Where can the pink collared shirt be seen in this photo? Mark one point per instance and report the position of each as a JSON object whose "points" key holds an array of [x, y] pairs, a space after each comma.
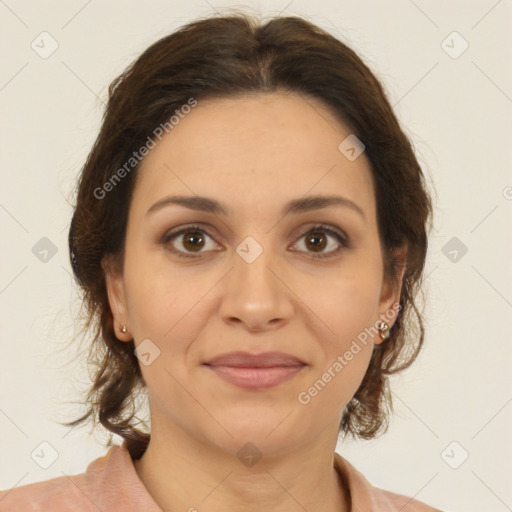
{"points": [[111, 483]]}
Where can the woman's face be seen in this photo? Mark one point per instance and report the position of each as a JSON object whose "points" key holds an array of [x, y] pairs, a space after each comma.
{"points": [[246, 276]]}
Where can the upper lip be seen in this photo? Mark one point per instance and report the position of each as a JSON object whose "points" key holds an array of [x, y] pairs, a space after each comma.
{"points": [[248, 360]]}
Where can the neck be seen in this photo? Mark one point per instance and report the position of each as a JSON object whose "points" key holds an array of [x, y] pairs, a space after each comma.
{"points": [[184, 473]]}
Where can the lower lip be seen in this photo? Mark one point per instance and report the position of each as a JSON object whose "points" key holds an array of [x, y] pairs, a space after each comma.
{"points": [[256, 378]]}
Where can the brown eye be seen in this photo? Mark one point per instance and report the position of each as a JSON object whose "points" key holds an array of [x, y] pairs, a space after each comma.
{"points": [[318, 239], [193, 240], [189, 242]]}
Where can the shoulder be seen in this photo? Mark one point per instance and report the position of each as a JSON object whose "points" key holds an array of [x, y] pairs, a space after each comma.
{"points": [[58, 493], [398, 502], [109, 483], [372, 499], [80, 493]]}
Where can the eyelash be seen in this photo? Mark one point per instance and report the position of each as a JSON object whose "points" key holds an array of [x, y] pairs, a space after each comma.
{"points": [[343, 240]]}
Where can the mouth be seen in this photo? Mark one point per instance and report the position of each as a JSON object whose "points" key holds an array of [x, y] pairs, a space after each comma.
{"points": [[255, 371], [256, 378]]}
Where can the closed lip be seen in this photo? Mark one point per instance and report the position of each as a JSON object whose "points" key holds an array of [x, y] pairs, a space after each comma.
{"points": [[247, 360]]}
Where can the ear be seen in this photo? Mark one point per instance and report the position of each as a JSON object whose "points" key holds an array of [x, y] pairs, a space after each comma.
{"points": [[116, 292], [390, 290]]}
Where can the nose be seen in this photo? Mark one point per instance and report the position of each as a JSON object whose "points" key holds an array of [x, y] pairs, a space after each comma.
{"points": [[255, 295]]}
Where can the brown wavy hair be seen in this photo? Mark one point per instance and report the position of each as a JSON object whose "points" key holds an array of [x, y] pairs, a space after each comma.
{"points": [[226, 56]]}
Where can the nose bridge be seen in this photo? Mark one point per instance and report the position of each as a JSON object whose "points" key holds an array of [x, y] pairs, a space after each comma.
{"points": [[251, 265], [253, 293]]}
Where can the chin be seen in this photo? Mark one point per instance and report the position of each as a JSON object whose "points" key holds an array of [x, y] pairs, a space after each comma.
{"points": [[270, 435]]}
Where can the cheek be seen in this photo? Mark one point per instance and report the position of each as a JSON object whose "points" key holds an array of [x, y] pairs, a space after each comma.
{"points": [[158, 294], [345, 356], [349, 304], [153, 306], [350, 308], [168, 306]]}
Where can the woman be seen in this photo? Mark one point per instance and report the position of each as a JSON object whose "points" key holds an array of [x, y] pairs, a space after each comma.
{"points": [[249, 234]]}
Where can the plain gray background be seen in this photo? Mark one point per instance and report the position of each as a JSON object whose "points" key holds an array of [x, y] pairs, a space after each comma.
{"points": [[454, 102]]}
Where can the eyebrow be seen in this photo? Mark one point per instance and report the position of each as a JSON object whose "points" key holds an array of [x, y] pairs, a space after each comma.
{"points": [[295, 206]]}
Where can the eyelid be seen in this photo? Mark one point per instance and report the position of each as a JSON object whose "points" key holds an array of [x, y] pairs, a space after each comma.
{"points": [[343, 239]]}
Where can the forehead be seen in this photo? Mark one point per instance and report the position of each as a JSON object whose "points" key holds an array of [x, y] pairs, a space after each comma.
{"points": [[270, 147]]}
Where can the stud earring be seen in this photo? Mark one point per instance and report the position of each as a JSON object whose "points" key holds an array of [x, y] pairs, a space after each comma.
{"points": [[123, 329], [384, 330]]}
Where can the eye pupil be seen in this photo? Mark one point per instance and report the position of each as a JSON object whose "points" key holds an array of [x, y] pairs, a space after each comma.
{"points": [[317, 245], [193, 237]]}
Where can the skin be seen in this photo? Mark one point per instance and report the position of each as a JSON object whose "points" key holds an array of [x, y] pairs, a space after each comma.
{"points": [[253, 154]]}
